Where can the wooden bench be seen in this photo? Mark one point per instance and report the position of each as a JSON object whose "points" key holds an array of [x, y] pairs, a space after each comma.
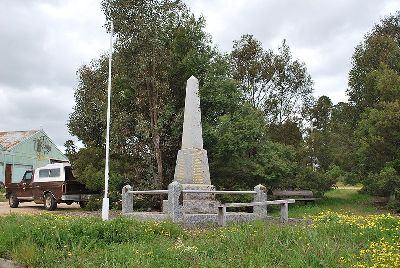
{"points": [[283, 216], [301, 195]]}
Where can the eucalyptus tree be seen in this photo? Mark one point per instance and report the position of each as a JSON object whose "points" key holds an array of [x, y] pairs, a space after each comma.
{"points": [[378, 54], [275, 83], [159, 44], [374, 92]]}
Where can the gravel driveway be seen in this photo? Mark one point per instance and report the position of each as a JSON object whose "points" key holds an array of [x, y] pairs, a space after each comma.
{"points": [[64, 209], [32, 208]]}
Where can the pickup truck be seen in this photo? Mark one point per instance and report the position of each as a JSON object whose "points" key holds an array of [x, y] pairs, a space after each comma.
{"points": [[48, 185]]}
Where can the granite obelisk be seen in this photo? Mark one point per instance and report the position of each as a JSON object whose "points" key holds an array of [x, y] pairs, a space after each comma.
{"points": [[192, 161], [192, 169]]}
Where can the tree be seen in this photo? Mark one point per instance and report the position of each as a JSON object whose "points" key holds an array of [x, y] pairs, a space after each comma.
{"points": [[154, 37], [374, 94], [70, 150], [288, 133], [379, 50], [159, 44], [378, 134], [321, 113], [273, 82], [241, 154], [343, 144], [318, 139]]}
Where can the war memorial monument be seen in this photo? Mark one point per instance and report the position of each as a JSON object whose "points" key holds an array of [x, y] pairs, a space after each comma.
{"points": [[191, 196]]}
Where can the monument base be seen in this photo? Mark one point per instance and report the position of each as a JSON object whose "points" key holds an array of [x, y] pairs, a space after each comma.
{"points": [[197, 203], [192, 167]]}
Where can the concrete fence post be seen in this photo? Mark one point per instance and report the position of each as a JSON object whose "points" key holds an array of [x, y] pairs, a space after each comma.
{"points": [[174, 201], [261, 196], [127, 200], [284, 213]]}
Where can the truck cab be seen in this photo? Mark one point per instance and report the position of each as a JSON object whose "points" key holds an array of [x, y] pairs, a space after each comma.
{"points": [[48, 185]]}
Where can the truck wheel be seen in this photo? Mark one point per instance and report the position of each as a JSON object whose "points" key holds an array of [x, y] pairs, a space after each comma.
{"points": [[82, 204], [49, 202], [13, 200]]}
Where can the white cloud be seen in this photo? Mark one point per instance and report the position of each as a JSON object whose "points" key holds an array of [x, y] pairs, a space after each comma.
{"points": [[323, 34], [44, 42]]}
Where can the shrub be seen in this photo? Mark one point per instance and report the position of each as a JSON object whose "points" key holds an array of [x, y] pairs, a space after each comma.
{"points": [[94, 203], [316, 181], [384, 183]]}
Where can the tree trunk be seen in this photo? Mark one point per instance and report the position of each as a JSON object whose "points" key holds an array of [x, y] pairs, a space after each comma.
{"points": [[154, 110], [156, 143]]}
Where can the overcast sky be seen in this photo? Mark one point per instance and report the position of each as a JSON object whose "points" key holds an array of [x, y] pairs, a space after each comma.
{"points": [[44, 42]]}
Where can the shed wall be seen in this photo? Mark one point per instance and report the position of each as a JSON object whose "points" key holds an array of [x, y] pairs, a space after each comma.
{"points": [[1, 171], [36, 151]]}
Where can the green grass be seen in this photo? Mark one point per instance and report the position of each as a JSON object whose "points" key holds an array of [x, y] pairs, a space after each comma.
{"points": [[337, 200], [2, 196], [334, 240]]}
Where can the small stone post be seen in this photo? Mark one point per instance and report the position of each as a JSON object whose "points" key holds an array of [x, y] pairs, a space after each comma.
{"points": [[222, 216], [127, 200], [284, 213], [260, 210], [174, 201]]}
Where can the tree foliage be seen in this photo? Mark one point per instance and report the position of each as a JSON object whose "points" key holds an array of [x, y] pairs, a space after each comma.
{"points": [[379, 136], [374, 92], [273, 82], [379, 51], [159, 44], [253, 101]]}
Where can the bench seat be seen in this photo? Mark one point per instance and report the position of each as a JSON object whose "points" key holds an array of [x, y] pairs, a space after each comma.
{"points": [[301, 195], [284, 209]]}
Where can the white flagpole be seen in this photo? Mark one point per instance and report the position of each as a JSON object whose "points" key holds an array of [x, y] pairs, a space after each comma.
{"points": [[106, 201]]}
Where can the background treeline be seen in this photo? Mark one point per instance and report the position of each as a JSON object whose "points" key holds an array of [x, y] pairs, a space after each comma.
{"points": [[261, 123]]}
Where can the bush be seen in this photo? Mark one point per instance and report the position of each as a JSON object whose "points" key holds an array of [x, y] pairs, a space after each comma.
{"points": [[2, 192], [95, 203], [316, 181], [384, 183], [394, 205], [335, 173]]}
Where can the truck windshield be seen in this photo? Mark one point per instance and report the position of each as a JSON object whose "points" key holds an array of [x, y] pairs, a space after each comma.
{"points": [[27, 176], [69, 176]]}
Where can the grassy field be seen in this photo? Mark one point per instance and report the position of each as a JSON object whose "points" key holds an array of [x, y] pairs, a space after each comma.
{"points": [[338, 200], [347, 231]]}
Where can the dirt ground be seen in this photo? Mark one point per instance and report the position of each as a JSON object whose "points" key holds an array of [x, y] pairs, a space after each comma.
{"points": [[32, 208], [63, 209]]}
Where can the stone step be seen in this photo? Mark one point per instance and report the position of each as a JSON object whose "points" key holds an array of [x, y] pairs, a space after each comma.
{"points": [[196, 206], [207, 219], [148, 216]]}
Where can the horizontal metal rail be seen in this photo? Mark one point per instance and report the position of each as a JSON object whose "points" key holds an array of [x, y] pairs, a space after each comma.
{"points": [[148, 192], [216, 192]]}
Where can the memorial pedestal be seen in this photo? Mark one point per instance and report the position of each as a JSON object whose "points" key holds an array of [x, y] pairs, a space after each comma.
{"points": [[197, 203]]}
